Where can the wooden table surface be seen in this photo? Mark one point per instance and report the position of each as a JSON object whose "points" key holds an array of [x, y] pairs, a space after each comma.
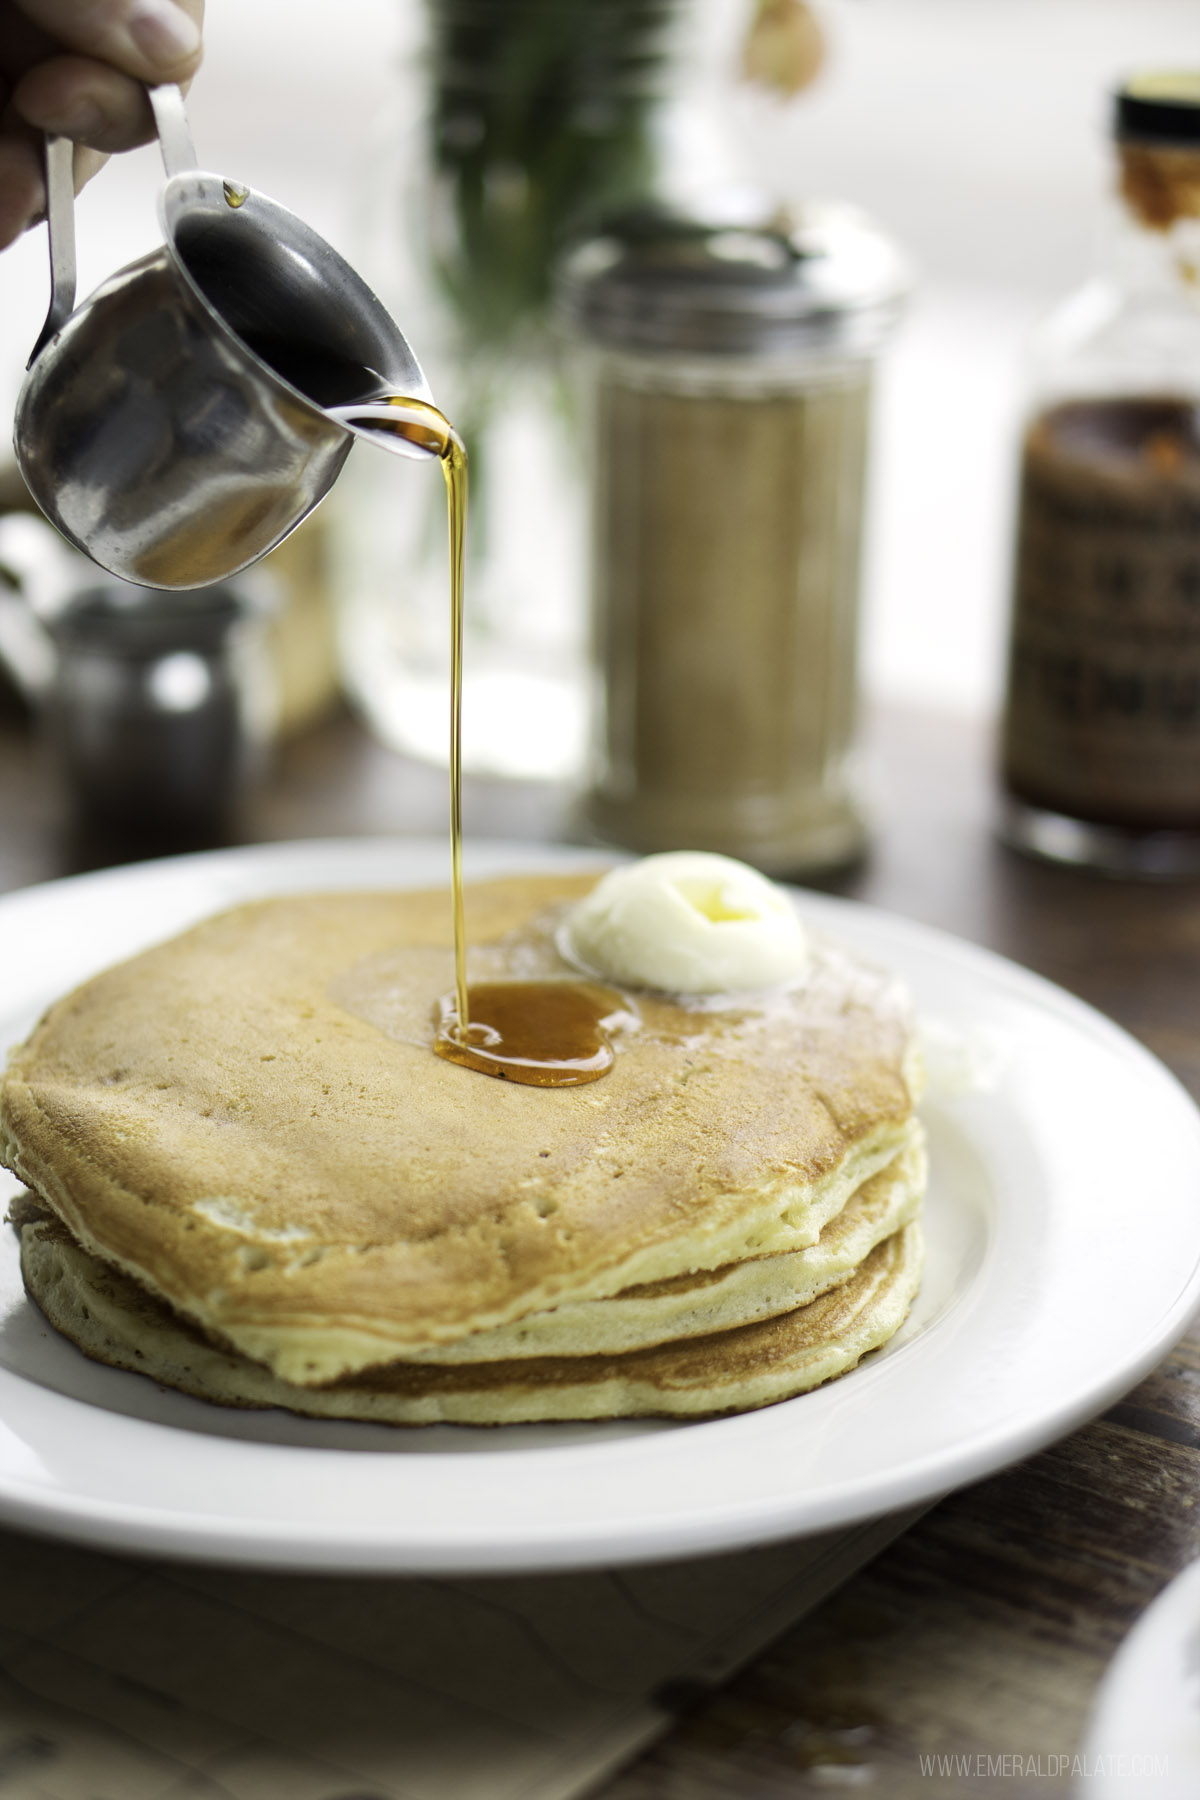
{"points": [[984, 1630]]}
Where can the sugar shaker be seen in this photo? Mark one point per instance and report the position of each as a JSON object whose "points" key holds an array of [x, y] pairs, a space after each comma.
{"points": [[726, 379]]}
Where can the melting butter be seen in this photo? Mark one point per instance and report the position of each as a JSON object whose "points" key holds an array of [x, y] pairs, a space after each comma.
{"points": [[688, 922]]}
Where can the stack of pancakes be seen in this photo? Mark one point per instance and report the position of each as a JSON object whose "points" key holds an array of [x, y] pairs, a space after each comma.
{"points": [[252, 1180]]}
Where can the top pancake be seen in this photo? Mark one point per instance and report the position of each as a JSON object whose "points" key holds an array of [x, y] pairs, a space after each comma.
{"points": [[249, 1120]]}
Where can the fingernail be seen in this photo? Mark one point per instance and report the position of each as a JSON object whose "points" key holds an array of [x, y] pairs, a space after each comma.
{"points": [[162, 32]]}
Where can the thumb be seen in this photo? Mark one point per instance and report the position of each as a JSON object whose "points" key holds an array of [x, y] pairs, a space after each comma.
{"points": [[150, 40]]}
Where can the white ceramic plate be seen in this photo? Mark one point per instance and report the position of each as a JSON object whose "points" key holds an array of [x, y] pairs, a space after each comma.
{"points": [[1144, 1739], [1063, 1224]]}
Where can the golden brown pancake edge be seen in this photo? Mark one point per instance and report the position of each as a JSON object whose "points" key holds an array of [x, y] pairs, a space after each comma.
{"points": [[114, 1322]]}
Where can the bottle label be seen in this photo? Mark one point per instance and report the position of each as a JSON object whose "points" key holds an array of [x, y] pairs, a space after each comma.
{"points": [[1103, 714]]}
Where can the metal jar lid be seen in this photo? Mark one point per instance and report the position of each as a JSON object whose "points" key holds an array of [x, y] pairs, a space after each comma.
{"points": [[826, 281]]}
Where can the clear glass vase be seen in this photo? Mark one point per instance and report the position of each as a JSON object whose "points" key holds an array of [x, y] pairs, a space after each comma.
{"points": [[523, 123]]}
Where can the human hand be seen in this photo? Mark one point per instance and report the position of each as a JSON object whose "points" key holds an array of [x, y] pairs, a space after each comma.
{"points": [[79, 69]]}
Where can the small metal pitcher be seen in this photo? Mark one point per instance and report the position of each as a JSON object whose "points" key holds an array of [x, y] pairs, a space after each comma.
{"points": [[174, 427]]}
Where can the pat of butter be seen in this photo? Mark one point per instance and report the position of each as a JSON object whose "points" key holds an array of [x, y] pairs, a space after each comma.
{"points": [[689, 923]]}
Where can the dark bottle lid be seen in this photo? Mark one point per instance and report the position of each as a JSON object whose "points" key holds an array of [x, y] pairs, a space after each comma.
{"points": [[1159, 107]]}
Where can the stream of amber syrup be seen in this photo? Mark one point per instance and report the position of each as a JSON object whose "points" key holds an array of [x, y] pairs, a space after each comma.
{"points": [[540, 1033]]}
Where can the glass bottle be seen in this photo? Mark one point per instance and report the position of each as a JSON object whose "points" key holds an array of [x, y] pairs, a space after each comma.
{"points": [[531, 120], [727, 375], [1101, 729]]}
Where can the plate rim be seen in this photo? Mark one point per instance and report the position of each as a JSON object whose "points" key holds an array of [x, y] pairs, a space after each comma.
{"points": [[1140, 1704], [338, 1545]]}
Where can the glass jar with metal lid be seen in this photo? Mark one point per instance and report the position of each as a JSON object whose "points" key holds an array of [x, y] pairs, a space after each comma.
{"points": [[727, 376]]}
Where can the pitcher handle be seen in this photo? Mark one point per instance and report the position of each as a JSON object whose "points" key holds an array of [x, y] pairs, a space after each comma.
{"points": [[174, 132], [178, 154], [60, 227]]}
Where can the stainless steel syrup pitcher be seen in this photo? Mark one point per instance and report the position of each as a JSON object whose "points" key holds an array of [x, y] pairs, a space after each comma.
{"points": [[174, 426]]}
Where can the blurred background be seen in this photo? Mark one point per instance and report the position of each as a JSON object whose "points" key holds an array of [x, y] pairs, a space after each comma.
{"points": [[974, 131]]}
